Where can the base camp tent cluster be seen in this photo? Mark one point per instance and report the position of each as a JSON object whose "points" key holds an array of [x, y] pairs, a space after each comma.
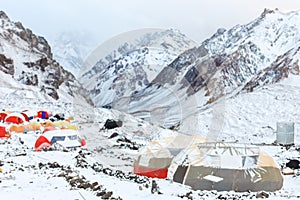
{"points": [[54, 129], [23, 116], [203, 165]]}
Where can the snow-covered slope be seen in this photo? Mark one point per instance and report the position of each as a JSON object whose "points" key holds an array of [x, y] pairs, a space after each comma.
{"points": [[104, 166], [129, 62], [26, 63], [71, 48], [250, 117]]}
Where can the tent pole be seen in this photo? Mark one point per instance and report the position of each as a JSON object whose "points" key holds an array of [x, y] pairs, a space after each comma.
{"points": [[186, 173]]}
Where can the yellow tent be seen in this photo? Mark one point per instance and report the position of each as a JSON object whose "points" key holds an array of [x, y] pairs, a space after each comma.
{"points": [[64, 124]]}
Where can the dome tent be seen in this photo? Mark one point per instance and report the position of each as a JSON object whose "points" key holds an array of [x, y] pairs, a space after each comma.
{"points": [[28, 115], [15, 118], [64, 124], [225, 167], [66, 138], [25, 128], [3, 115], [211, 166], [43, 114], [111, 124], [3, 132], [155, 159]]}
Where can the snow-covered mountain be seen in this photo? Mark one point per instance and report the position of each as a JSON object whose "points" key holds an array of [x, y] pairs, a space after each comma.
{"points": [[236, 85], [129, 62], [26, 63], [71, 48], [241, 59]]}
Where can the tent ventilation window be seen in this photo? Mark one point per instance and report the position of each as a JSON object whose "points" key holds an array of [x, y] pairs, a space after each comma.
{"points": [[57, 138]]}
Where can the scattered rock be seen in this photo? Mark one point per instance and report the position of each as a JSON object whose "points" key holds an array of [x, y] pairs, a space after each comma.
{"points": [[262, 195], [126, 143], [21, 154], [54, 165], [100, 193], [62, 174], [293, 164], [85, 185], [41, 165], [94, 184], [80, 162], [107, 195], [96, 188], [187, 195], [21, 169]]}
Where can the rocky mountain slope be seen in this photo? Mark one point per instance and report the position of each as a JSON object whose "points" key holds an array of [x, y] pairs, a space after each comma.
{"points": [[163, 77], [129, 62], [264, 51], [26, 63]]}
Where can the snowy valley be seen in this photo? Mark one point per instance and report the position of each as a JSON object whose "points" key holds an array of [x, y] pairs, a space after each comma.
{"points": [[234, 87]]}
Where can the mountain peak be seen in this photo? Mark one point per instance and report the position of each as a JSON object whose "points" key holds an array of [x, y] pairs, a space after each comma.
{"points": [[131, 63], [267, 11], [3, 15]]}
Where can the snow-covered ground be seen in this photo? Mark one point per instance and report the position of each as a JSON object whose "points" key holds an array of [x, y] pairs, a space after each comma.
{"points": [[105, 165]]}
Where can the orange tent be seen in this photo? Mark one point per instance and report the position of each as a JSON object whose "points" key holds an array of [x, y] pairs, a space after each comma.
{"points": [[33, 126], [47, 123], [25, 128], [16, 129]]}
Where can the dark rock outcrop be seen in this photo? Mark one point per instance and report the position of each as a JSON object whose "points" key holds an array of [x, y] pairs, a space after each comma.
{"points": [[6, 64]]}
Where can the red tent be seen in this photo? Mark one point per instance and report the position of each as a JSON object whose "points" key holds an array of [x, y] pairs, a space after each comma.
{"points": [[3, 133], [3, 114], [43, 114], [25, 117], [29, 115], [42, 142], [66, 138], [15, 118]]}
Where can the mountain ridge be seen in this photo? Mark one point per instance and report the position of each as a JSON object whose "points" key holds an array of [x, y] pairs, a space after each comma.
{"points": [[133, 65], [27, 59], [230, 62]]}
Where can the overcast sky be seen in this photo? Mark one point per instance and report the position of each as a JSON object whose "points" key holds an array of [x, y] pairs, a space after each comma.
{"points": [[198, 19]]}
